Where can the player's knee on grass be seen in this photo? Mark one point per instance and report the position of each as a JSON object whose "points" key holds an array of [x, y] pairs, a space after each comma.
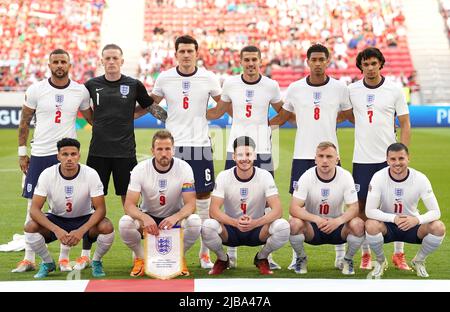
{"points": [[105, 226], [127, 225], [31, 227], [296, 225], [372, 227], [356, 226], [280, 230], [437, 228], [192, 227], [210, 228]]}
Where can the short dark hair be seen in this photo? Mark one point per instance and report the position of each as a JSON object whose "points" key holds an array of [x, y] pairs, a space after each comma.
{"points": [[59, 51], [186, 39], [397, 147], [162, 135], [68, 142], [250, 48], [112, 46], [366, 54], [325, 145], [317, 48], [243, 141]]}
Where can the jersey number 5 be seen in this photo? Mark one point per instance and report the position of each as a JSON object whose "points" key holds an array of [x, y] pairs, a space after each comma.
{"points": [[185, 102], [58, 116], [248, 109]]}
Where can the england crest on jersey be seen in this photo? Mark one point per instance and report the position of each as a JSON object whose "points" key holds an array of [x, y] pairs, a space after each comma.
{"points": [[370, 99], [249, 94], [68, 189], [317, 96], [244, 192], [162, 184], [325, 192], [398, 192], [163, 244], [186, 85], [59, 99], [124, 90]]}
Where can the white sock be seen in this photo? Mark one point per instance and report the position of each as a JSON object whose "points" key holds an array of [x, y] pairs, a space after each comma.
{"points": [[232, 252], [104, 243], [297, 245], [354, 243], [128, 229], [429, 244], [203, 213], [192, 226], [64, 251], [340, 251], [86, 253], [37, 243], [30, 255], [211, 230], [365, 248], [376, 243], [279, 235], [398, 247]]}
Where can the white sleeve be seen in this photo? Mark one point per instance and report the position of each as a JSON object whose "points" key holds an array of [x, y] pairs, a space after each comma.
{"points": [[95, 184], [225, 96], [85, 102], [350, 194], [288, 105], [373, 202], [430, 202], [276, 93], [158, 88], [401, 107], [345, 100], [219, 186], [135, 180], [41, 188], [301, 190], [31, 98], [269, 184], [215, 88]]}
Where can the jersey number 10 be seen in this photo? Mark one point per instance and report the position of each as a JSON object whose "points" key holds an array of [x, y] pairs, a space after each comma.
{"points": [[324, 209]]}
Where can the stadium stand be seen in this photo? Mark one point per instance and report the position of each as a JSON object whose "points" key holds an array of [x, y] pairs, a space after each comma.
{"points": [[30, 29], [283, 29]]}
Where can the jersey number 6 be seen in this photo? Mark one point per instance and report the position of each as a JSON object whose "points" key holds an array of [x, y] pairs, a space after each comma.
{"points": [[185, 102]]}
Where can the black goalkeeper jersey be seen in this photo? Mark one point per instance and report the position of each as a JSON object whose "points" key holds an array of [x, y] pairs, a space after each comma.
{"points": [[113, 104]]}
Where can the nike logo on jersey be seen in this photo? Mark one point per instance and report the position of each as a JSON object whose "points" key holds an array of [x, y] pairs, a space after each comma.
{"points": [[208, 184], [99, 89]]}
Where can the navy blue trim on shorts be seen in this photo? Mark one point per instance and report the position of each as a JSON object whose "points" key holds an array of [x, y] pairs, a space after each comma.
{"points": [[394, 234], [35, 168], [263, 161], [320, 238], [238, 238], [68, 225], [201, 161], [362, 174]]}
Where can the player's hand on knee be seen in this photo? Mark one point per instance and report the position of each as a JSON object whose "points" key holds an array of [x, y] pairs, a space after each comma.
{"points": [[24, 161], [168, 223]]}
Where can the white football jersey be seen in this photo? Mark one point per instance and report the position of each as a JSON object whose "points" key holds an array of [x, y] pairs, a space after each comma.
{"points": [[399, 197], [375, 110], [69, 198], [326, 198], [56, 112], [162, 191], [250, 103], [187, 99], [316, 109], [244, 195]]}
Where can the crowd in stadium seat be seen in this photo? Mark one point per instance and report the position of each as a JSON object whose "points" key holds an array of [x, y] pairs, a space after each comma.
{"points": [[31, 29], [444, 6], [283, 29]]}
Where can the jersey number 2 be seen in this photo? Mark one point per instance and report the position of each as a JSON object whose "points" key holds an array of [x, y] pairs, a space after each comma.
{"points": [[58, 116]]}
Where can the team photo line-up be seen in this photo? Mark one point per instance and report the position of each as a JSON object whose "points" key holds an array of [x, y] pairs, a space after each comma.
{"points": [[177, 185]]}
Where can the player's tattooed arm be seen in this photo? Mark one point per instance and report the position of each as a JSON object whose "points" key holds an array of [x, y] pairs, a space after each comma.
{"points": [[158, 112], [24, 125], [24, 129]]}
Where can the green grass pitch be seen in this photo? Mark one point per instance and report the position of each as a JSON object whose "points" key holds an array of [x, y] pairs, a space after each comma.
{"points": [[429, 150]]}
